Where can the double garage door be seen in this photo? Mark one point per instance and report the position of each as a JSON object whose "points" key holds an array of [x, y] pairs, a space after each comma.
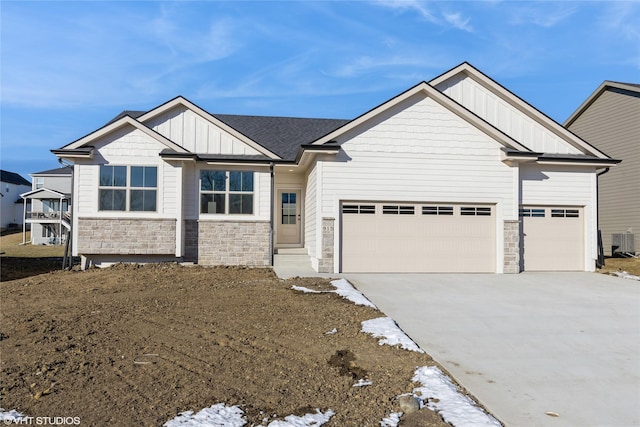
{"points": [[420, 238]]}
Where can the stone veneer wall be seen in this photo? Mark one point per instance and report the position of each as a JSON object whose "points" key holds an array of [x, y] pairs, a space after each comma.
{"points": [[228, 242], [325, 262], [126, 236], [512, 247]]}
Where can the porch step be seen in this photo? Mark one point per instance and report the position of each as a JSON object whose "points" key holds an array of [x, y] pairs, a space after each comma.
{"points": [[291, 251]]}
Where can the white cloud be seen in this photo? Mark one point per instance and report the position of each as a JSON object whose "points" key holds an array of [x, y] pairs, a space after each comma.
{"points": [[458, 21], [411, 5], [544, 14]]}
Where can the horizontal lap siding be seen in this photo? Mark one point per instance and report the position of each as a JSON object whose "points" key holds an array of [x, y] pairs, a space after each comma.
{"points": [[504, 116], [612, 124], [310, 213], [422, 153]]}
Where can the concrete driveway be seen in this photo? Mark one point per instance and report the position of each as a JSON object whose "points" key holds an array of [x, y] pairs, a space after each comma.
{"points": [[528, 346]]}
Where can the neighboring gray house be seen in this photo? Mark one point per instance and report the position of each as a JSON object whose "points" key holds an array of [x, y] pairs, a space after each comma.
{"points": [[610, 120], [452, 175], [50, 213], [11, 185]]}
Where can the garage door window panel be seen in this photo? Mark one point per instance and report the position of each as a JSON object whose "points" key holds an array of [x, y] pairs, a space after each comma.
{"points": [[475, 211]]}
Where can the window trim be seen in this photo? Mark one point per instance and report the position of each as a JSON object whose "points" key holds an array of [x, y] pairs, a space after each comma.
{"points": [[227, 192], [128, 188]]}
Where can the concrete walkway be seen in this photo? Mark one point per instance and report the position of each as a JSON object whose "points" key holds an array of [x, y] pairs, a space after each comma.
{"points": [[528, 346]]}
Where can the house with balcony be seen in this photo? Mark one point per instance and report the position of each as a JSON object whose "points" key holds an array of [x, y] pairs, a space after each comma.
{"points": [[50, 213]]}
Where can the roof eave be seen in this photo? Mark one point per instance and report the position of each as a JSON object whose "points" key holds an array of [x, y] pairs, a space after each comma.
{"points": [[74, 153]]}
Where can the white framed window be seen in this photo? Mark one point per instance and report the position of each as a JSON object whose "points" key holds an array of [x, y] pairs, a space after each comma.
{"points": [[128, 188], [226, 192], [437, 210], [475, 211], [38, 183], [359, 209]]}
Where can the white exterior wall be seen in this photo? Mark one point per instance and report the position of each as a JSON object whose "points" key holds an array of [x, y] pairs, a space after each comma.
{"points": [[311, 213], [196, 134], [564, 186], [127, 147], [504, 116], [12, 212], [420, 152]]}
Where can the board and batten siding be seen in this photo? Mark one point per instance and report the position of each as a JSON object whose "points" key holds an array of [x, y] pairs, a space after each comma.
{"points": [[564, 187], [612, 124], [504, 116], [420, 152], [196, 134]]}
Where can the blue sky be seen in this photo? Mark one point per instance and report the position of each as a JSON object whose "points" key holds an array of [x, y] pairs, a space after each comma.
{"points": [[69, 67]]}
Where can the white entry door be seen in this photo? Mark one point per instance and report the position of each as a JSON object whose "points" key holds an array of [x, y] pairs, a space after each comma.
{"points": [[289, 224]]}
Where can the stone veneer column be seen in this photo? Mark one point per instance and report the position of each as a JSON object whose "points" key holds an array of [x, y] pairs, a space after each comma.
{"points": [[512, 247], [325, 262]]}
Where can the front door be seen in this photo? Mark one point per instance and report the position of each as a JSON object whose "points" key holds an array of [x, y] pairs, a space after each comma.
{"points": [[289, 224]]}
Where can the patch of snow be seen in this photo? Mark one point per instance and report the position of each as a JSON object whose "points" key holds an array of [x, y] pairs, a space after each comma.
{"points": [[344, 289], [332, 332], [624, 275], [389, 333], [10, 417], [442, 396], [305, 290], [392, 420], [308, 420], [217, 415], [362, 383]]}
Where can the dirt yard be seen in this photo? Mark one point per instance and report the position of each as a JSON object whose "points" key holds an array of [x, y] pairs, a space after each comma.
{"points": [[630, 265], [133, 345]]}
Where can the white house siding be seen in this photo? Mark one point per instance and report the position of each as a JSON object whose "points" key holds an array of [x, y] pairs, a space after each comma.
{"points": [[310, 213], [564, 187], [12, 212], [612, 124], [196, 134], [421, 152], [104, 232], [504, 116]]}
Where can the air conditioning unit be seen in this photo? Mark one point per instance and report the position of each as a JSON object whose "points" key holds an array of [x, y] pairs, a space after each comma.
{"points": [[623, 243]]}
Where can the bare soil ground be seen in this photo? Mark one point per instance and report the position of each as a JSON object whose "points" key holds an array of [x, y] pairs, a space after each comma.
{"points": [[630, 265], [136, 345]]}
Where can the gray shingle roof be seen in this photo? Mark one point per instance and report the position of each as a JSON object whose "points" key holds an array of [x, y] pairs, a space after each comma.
{"points": [[13, 178], [56, 171], [281, 135]]}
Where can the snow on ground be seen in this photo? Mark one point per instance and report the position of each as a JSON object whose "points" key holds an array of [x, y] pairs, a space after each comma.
{"points": [[216, 415], [442, 396], [221, 415], [10, 417], [392, 420], [388, 331], [344, 289], [624, 275]]}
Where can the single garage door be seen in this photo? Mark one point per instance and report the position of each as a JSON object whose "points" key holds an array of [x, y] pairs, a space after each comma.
{"points": [[553, 238], [419, 238]]}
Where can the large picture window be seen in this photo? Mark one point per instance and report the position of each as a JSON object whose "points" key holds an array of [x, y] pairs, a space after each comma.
{"points": [[128, 188], [226, 192]]}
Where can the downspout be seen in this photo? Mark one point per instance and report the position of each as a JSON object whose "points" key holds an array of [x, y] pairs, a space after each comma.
{"points": [[271, 213], [600, 260]]}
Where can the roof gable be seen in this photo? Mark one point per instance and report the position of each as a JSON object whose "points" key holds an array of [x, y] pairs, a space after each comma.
{"points": [[116, 125], [625, 88], [550, 126], [181, 102], [429, 91]]}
